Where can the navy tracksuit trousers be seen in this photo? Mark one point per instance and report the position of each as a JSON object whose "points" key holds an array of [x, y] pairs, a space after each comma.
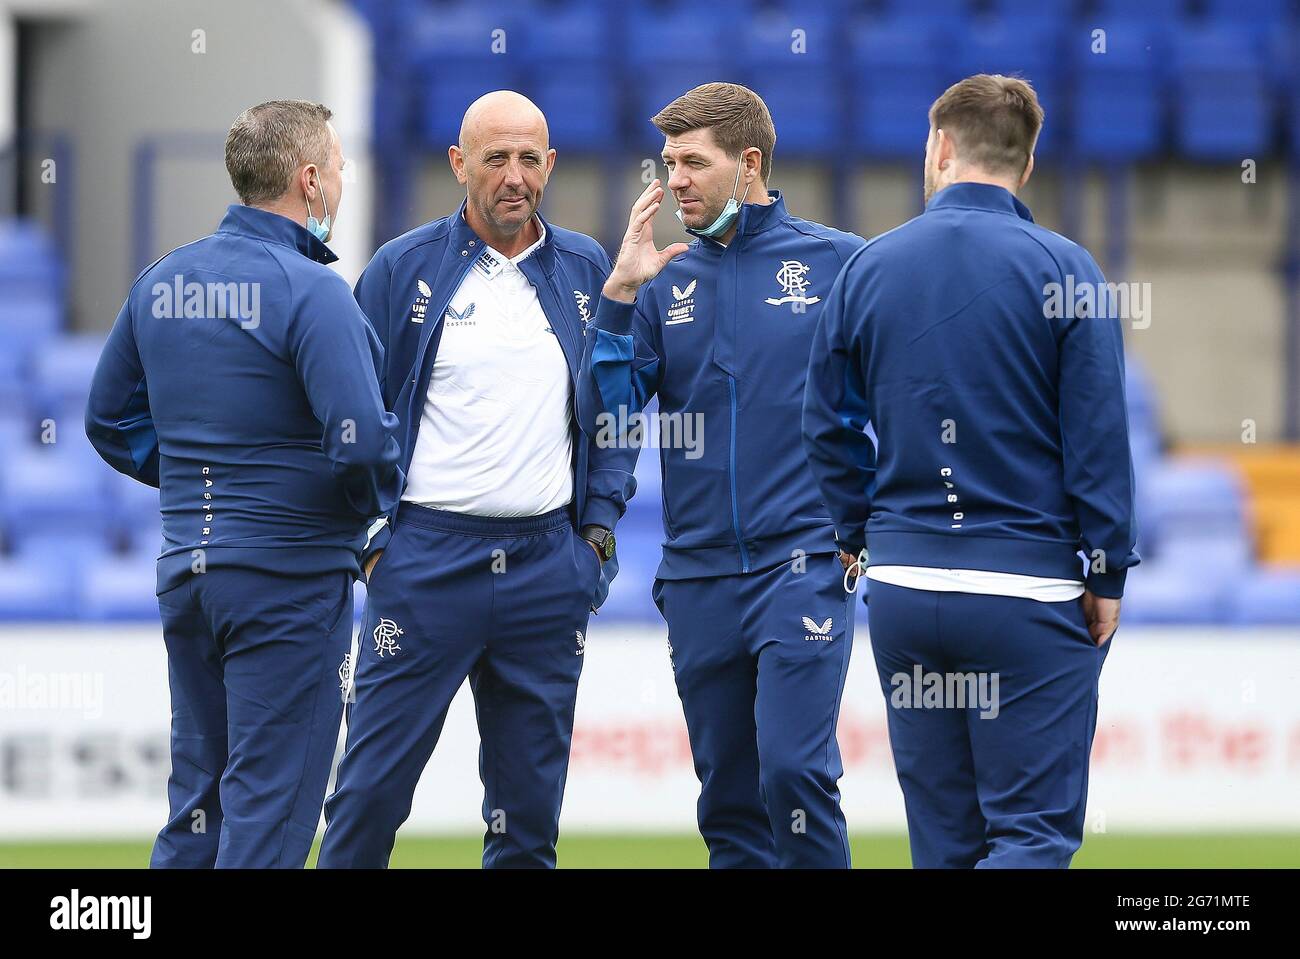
{"points": [[254, 661], [759, 660], [986, 787], [505, 602]]}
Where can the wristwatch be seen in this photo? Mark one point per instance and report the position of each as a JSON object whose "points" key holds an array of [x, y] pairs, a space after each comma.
{"points": [[601, 538]]}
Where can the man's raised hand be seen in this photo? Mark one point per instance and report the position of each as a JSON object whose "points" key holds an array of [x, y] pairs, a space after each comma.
{"points": [[639, 261]]}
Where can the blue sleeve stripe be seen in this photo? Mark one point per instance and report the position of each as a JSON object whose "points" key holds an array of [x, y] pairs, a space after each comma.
{"points": [[611, 366]]}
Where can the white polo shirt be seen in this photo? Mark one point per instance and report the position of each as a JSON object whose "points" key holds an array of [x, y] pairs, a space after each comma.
{"points": [[1045, 589], [495, 436]]}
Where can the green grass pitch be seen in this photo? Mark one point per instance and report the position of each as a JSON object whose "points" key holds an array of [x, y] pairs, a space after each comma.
{"points": [[591, 850]]}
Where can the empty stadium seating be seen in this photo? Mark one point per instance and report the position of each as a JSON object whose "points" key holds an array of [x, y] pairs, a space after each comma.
{"points": [[1211, 80]]}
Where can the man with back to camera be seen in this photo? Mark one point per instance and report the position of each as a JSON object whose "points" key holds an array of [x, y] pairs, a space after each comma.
{"points": [[759, 624], [1002, 451], [502, 543], [240, 379]]}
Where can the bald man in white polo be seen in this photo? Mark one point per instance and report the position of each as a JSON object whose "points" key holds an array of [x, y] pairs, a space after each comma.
{"points": [[502, 543]]}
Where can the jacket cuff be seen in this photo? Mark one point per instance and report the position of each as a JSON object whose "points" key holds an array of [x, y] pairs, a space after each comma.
{"points": [[600, 511], [1107, 585], [614, 316], [851, 539]]}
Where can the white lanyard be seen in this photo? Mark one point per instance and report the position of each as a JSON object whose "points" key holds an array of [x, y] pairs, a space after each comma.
{"points": [[855, 570]]}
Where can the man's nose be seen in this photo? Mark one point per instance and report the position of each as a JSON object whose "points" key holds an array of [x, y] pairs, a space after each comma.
{"points": [[678, 181]]}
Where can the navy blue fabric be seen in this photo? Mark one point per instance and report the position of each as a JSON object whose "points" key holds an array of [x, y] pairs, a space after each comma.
{"points": [[744, 500], [504, 602], [567, 270], [265, 433], [256, 665], [1002, 431], [1007, 788], [761, 692]]}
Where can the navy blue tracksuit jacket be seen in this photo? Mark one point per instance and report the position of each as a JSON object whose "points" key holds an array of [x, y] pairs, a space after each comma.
{"points": [[1002, 446], [503, 601], [240, 379], [568, 271], [759, 625]]}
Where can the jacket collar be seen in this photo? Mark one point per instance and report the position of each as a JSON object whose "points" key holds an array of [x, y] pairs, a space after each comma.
{"points": [[250, 221], [756, 218], [979, 196], [470, 243]]}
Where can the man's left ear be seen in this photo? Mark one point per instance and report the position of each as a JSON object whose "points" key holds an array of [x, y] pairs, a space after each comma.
{"points": [[1029, 168]]}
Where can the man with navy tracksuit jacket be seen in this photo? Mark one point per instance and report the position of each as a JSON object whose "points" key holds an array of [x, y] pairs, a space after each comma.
{"points": [[492, 561], [1001, 453], [240, 379], [759, 624]]}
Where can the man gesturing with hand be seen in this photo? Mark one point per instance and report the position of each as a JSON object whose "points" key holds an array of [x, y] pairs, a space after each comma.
{"points": [[759, 624]]}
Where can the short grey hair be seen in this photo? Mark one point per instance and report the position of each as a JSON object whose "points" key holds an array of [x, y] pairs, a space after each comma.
{"points": [[269, 142]]}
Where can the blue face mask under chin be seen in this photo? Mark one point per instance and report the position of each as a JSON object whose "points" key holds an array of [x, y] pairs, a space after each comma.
{"points": [[726, 217], [319, 228]]}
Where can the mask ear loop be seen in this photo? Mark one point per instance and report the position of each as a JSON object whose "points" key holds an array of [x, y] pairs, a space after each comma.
{"points": [[323, 205], [855, 570]]}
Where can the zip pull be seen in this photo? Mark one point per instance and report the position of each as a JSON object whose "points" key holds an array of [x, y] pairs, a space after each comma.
{"points": [[855, 569]]}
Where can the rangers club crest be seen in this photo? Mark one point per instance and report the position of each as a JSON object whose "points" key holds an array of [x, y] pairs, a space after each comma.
{"points": [[792, 280], [386, 634]]}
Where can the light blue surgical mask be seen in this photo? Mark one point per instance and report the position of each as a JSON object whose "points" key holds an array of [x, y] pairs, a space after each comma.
{"points": [[319, 228], [728, 214]]}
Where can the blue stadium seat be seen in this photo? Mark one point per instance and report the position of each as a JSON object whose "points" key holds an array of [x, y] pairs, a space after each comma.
{"points": [[1118, 98], [30, 267], [1034, 51], [33, 593], [945, 14], [1266, 14], [119, 588], [787, 57], [806, 107], [28, 319], [1056, 14], [898, 68], [1181, 497], [1165, 13], [450, 45], [1269, 597], [581, 103], [1223, 103], [133, 506], [658, 86], [681, 33], [557, 33], [62, 369], [1157, 593], [669, 47], [48, 490], [446, 97]]}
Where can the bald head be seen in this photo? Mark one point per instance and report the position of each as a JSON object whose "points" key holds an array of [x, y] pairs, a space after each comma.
{"points": [[504, 160], [502, 113]]}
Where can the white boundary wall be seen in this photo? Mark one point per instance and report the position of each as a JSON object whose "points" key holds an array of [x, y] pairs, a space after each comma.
{"points": [[1198, 729]]}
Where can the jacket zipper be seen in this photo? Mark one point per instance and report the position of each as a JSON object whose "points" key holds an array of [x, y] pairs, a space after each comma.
{"points": [[735, 502]]}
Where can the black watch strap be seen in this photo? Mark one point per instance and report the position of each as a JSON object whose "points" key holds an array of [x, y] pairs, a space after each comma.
{"points": [[599, 537]]}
